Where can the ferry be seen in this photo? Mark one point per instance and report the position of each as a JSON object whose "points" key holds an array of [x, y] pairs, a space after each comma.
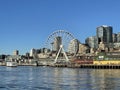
{"points": [[11, 64]]}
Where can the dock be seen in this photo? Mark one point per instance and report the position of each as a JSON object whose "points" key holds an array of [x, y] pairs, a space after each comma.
{"points": [[92, 66], [88, 66]]}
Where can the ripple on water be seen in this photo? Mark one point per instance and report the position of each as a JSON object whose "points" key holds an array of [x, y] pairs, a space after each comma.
{"points": [[47, 78]]}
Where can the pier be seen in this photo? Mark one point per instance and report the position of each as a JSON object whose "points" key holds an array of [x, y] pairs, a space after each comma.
{"points": [[94, 65], [89, 66], [49, 63]]}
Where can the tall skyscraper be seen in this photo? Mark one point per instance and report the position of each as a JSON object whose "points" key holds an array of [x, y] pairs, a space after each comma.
{"points": [[104, 34], [92, 42], [32, 52], [57, 43]]}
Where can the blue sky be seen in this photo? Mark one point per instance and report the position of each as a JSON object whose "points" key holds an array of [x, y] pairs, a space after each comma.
{"points": [[26, 24]]}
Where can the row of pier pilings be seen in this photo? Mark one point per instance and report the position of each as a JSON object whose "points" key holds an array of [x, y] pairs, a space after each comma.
{"points": [[89, 66], [101, 66], [92, 66]]}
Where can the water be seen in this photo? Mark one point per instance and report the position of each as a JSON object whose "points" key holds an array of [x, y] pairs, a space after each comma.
{"points": [[51, 78]]}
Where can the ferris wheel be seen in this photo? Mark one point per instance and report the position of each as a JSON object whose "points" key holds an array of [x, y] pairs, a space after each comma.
{"points": [[57, 38]]}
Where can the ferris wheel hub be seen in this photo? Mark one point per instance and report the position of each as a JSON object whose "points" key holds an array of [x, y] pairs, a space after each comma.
{"points": [[61, 46]]}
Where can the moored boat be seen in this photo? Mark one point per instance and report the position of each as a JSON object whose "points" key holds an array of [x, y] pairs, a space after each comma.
{"points": [[11, 64]]}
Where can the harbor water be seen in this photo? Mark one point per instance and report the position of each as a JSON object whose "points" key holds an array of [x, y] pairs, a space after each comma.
{"points": [[53, 78]]}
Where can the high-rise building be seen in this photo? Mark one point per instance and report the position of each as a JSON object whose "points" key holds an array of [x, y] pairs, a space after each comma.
{"points": [[118, 37], [16, 52], [92, 42], [32, 52], [104, 34], [57, 43], [114, 35], [73, 46]]}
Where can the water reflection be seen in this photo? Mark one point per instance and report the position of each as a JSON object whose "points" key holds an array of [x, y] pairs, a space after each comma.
{"points": [[106, 79], [50, 78], [89, 79]]}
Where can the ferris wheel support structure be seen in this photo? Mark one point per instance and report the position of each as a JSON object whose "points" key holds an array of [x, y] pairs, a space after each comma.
{"points": [[61, 49]]}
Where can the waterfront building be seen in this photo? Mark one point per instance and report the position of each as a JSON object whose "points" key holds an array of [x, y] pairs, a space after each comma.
{"points": [[114, 36], [47, 50], [32, 52], [104, 34], [118, 37], [83, 49], [42, 50], [27, 54], [16, 52], [57, 43], [101, 47], [92, 51], [37, 51], [2, 57], [13, 58], [117, 45], [73, 46], [42, 55], [92, 42]]}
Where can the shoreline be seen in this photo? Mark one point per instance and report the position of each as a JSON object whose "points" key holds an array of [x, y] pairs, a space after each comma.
{"points": [[83, 66]]}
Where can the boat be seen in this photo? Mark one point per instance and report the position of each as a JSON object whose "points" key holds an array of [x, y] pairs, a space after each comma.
{"points": [[11, 64]]}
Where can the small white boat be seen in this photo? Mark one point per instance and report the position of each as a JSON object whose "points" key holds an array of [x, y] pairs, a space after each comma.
{"points": [[11, 64]]}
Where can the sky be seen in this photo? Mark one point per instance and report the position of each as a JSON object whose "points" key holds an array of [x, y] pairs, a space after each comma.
{"points": [[26, 24]]}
